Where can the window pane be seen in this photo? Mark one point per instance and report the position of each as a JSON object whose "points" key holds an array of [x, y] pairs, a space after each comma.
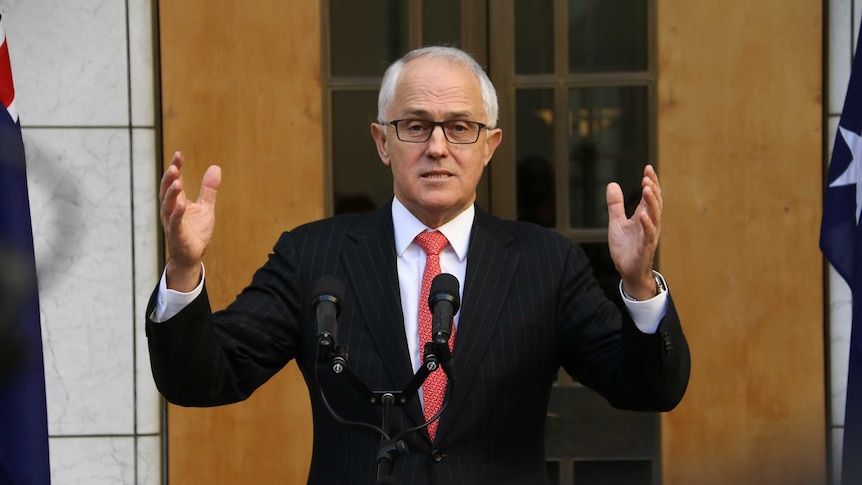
{"points": [[553, 469], [534, 125], [581, 424], [441, 22], [360, 180], [607, 36], [618, 472], [534, 36], [608, 141], [380, 24]]}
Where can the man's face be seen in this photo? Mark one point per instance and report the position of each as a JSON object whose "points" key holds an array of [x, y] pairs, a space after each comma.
{"points": [[436, 180]]}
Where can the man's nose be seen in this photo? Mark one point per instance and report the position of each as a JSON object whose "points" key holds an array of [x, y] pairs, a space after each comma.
{"points": [[437, 143]]}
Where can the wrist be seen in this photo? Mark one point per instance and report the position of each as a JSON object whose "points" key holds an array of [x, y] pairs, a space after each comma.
{"points": [[182, 278], [644, 288]]}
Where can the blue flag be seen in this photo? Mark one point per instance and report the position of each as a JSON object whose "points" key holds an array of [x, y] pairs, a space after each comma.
{"points": [[841, 243], [23, 414]]}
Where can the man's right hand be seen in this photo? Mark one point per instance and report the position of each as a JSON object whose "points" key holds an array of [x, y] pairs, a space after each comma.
{"points": [[188, 224]]}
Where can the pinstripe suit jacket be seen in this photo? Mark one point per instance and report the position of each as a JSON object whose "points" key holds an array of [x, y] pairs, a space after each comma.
{"points": [[530, 305]]}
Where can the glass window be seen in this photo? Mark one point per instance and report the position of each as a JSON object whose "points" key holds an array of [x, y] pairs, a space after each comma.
{"points": [[441, 22], [607, 36], [382, 26], [534, 36], [535, 180], [608, 140], [360, 181]]}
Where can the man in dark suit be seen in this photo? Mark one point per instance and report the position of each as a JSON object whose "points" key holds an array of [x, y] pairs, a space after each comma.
{"points": [[530, 303]]}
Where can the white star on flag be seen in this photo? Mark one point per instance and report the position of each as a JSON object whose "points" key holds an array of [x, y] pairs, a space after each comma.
{"points": [[853, 174]]}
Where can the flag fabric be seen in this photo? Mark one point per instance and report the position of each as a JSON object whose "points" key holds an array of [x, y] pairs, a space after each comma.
{"points": [[841, 243], [23, 413]]}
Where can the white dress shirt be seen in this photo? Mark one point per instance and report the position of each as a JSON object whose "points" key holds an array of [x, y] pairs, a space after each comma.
{"points": [[411, 265]]}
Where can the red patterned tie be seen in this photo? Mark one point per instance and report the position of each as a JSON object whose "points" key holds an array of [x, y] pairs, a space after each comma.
{"points": [[434, 386]]}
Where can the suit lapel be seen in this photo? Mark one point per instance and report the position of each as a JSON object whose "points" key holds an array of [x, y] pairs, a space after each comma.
{"points": [[370, 264], [491, 264]]}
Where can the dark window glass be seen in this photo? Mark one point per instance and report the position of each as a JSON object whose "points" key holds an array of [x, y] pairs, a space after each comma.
{"points": [[380, 24], [616, 472], [608, 141], [360, 180], [441, 22], [582, 425], [607, 36], [534, 36], [534, 125], [553, 469]]}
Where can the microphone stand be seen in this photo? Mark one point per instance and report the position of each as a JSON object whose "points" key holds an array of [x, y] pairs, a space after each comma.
{"points": [[335, 357]]}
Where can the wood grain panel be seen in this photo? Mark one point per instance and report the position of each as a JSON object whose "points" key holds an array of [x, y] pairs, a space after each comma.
{"points": [[241, 89], [740, 158]]}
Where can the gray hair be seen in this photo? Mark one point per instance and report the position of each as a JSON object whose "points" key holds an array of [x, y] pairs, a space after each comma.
{"points": [[451, 54]]}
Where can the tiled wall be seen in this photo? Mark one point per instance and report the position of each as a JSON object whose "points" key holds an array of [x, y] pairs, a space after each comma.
{"points": [[842, 26], [83, 74]]}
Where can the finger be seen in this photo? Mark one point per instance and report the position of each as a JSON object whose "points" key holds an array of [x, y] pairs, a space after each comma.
{"points": [[174, 196], [177, 160], [168, 178], [616, 202], [174, 232], [650, 232], [172, 173], [649, 171], [651, 180], [652, 205], [175, 219], [210, 185]]}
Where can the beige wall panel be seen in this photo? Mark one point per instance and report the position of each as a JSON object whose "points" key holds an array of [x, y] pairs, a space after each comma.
{"points": [[241, 89], [740, 160]]}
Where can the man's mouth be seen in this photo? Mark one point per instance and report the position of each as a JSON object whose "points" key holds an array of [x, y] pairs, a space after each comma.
{"points": [[436, 175]]}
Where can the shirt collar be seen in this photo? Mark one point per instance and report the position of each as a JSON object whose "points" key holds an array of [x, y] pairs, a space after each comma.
{"points": [[407, 226]]}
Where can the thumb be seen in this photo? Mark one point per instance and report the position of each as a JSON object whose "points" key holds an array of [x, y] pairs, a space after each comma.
{"points": [[616, 202], [210, 185]]}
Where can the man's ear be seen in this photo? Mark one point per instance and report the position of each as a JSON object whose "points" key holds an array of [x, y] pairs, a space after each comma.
{"points": [[378, 132], [495, 136]]}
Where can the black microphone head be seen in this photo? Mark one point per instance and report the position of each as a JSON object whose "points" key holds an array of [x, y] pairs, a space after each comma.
{"points": [[444, 287], [328, 288]]}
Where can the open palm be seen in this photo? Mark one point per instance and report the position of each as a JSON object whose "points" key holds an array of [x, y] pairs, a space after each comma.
{"points": [[188, 224], [633, 241]]}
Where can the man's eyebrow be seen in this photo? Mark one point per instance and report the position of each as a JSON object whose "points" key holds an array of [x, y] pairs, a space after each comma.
{"points": [[453, 115]]}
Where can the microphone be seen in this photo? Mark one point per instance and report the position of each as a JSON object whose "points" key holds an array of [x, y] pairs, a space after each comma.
{"points": [[327, 292], [444, 302]]}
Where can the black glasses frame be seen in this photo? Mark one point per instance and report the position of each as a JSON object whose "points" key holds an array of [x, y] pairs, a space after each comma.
{"points": [[435, 124]]}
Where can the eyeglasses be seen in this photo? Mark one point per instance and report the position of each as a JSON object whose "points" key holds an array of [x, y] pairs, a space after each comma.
{"points": [[459, 132]]}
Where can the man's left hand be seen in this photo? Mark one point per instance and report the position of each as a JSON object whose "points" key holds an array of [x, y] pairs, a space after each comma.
{"points": [[633, 242]]}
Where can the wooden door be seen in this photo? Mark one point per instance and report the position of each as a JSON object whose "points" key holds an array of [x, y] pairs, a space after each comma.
{"points": [[240, 87]]}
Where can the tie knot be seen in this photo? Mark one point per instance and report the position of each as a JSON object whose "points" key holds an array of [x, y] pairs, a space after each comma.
{"points": [[432, 242]]}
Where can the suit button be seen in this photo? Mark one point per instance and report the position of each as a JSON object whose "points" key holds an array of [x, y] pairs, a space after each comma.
{"points": [[436, 456]]}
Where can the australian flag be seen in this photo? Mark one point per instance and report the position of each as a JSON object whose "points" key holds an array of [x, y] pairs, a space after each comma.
{"points": [[841, 243], [23, 415]]}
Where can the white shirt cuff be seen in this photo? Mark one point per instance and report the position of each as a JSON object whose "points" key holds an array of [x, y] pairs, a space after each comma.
{"points": [[647, 314], [170, 302]]}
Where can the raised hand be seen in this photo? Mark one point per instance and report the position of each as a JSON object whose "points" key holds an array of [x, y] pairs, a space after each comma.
{"points": [[633, 242], [188, 224]]}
